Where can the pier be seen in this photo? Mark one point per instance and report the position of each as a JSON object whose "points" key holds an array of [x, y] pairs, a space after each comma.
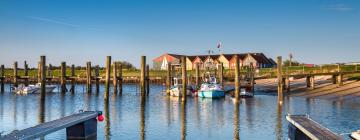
{"points": [[78, 126]]}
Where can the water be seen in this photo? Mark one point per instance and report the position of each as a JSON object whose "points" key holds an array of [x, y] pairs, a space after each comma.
{"points": [[161, 117]]}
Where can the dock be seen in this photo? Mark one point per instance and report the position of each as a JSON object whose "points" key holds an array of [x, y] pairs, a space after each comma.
{"points": [[304, 128], [78, 126]]}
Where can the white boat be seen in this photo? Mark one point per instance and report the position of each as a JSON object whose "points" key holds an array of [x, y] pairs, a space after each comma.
{"points": [[211, 89], [33, 89], [355, 135], [176, 89], [245, 94]]}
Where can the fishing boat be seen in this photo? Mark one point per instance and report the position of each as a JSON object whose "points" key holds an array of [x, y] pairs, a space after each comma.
{"points": [[211, 89], [33, 89], [176, 89]]}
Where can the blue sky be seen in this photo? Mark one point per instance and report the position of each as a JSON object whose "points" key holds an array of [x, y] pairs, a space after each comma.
{"points": [[76, 31]]}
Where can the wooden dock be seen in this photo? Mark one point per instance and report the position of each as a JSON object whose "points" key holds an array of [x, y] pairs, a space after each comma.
{"points": [[79, 125], [304, 128]]}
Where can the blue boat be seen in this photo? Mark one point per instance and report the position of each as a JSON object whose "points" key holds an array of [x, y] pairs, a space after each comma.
{"points": [[211, 90]]}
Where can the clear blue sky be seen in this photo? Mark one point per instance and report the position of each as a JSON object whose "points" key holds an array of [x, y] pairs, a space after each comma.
{"points": [[76, 31]]}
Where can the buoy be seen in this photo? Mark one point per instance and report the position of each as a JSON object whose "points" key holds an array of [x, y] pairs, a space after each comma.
{"points": [[100, 118]]}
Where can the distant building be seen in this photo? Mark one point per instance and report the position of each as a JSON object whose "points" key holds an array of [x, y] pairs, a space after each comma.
{"points": [[259, 60]]}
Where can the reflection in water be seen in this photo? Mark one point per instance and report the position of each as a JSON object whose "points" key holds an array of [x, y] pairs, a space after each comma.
{"points": [[142, 117], [168, 110], [236, 121], [15, 108], [41, 117], [183, 120], [278, 129], [249, 109], [107, 120]]}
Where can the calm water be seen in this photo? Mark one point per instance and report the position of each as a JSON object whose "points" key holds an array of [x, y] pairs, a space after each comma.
{"points": [[161, 117]]}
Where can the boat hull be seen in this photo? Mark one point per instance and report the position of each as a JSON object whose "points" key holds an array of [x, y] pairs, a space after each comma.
{"points": [[211, 93]]}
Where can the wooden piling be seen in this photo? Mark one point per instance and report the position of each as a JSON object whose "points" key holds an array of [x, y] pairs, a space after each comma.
{"points": [[280, 79], [73, 79], [340, 79], [107, 80], [97, 74], [168, 79], [88, 77], [197, 75], [221, 74], [252, 82], [183, 78], [147, 83], [15, 82], [287, 84], [312, 82], [2, 76], [49, 70], [115, 77], [237, 77], [120, 79], [26, 74], [142, 75], [63, 77], [43, 76]]}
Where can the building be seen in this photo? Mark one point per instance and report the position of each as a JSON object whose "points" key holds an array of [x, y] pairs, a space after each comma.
{"points": [[259, 60]]}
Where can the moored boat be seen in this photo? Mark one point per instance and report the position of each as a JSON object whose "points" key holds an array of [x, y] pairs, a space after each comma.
{"points": [[176, 89], [211, 89], [33, 89]]}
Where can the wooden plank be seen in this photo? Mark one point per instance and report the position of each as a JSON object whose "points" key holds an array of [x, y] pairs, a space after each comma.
{"points": [[49, 127], [311, 128]]}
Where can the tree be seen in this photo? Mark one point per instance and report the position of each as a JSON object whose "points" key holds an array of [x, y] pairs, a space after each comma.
{"points": [[286, 63]]}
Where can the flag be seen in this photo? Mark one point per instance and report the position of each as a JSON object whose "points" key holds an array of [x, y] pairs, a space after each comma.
{"points": [[219, 45]]}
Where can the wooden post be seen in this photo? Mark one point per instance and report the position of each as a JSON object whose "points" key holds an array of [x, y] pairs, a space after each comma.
{"points": [[88, 77], [39, 72], [43, 76], [280, 79], [237, 77], [2, 76], [73, 79], [338, 68], [183, 78], [115, 76], [221, 74], [287, 84], [107, 80], [334, 79], [340, 79], [15, 82], [197, 75], [49, 70], [26, 73], [147, 83], [168, 79], [312, 81], [308, 81], [97, 74], [252, 77], [63, 77], [120, 79], [142, 75]]}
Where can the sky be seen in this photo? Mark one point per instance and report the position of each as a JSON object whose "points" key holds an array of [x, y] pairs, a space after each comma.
{"points": [[77, 31]]}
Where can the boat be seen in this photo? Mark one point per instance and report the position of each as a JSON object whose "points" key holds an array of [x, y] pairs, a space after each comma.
{"points": [[355, 135], [211, 89], [176, 89], [33, 89], [245, 94]]}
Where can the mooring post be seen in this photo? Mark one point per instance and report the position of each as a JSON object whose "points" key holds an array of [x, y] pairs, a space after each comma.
{"points": [[287, 84], [115, 76], [280, 79], [26, 73], [168, 79], [107, 80], [308, 82], [49, 71], [197, 75], [340, 79], [312, 81], [88, 77], [120, 79], [183, 78], [73, 78], [221, 74], [2, 76], [142, 75], [237, 77], [252, 77], [43, 76], [97, 74], [63, 77], [15, 82], [147, 83], [334, 79]]}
